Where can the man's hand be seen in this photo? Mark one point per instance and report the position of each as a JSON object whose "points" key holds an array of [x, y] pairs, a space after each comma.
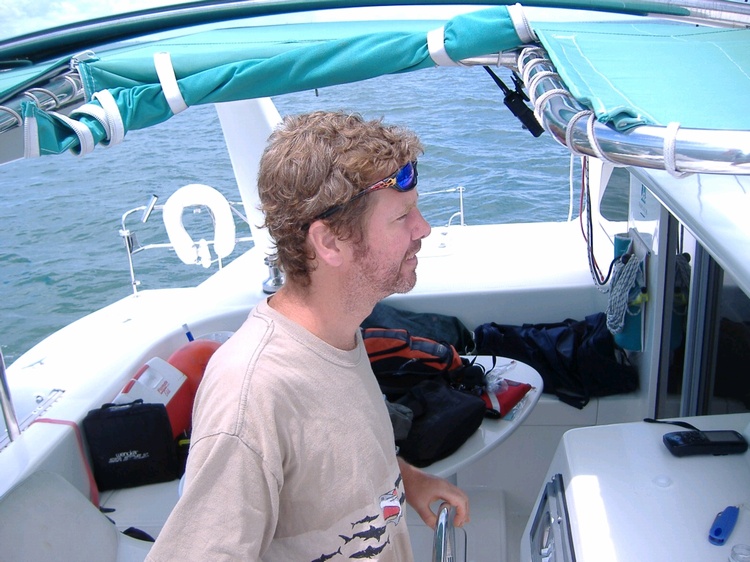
{"points": [[423, 489]]}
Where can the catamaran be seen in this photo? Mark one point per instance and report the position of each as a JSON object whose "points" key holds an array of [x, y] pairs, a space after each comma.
{"points": [[648, 95]]}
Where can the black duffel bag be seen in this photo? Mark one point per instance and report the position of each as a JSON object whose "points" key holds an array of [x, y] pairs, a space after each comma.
{"points": [[444, 418], [577, 359]]}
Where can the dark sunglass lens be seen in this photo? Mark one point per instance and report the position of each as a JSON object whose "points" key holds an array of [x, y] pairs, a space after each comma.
{"points": [[405, 177]]}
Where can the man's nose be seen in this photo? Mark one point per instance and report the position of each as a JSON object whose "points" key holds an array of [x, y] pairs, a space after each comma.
{"points": [[422, 228]]}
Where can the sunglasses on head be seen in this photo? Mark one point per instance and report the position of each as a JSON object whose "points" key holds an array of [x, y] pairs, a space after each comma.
{"points": [[404, 179]]}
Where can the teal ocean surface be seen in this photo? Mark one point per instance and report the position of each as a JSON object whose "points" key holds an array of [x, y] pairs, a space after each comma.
{"points": [[62, 257]]}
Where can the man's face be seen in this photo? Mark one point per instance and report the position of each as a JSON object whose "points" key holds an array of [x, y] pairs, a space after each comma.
{"points": [[385, 261]]}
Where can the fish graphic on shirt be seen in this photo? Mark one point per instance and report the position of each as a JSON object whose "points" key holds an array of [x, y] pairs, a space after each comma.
{"points": [[371, 551], [366, 519], [371, 533]]}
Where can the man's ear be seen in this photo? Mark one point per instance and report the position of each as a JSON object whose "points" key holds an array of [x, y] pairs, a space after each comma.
{"points": [[324, 243]]}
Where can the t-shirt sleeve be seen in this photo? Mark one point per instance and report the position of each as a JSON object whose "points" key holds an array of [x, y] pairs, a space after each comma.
{"points": [[229, 506]]}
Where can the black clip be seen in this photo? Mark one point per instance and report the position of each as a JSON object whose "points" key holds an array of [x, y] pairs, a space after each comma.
{"points": [[515, 100]]}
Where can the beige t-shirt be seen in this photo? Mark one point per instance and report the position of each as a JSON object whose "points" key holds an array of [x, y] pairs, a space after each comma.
{"points": [[292, 455]]}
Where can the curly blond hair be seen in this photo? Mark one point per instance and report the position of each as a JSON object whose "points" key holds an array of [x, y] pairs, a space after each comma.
{"points": [[316, 161]]}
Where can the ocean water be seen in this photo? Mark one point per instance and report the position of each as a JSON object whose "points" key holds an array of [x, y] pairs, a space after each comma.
{"points": [[61, 256]]}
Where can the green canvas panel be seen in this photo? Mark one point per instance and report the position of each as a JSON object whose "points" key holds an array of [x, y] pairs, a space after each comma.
{"points": [[15, 80], [654, 73]]}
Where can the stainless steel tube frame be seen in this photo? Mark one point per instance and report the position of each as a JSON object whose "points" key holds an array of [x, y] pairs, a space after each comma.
{"points": [[694, 150], [444, 542]]}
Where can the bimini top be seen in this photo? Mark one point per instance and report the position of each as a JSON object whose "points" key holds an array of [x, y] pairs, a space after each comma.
{"points": [[649, 73], [663, 95], [637, 92]]}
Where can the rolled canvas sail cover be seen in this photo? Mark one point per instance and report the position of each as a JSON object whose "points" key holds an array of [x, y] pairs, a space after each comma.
{"points": [[265, 61], [629, 73]]}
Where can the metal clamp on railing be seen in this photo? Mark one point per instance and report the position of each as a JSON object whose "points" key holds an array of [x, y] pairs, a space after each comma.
{"points": [[444, 543], [275, 276]]}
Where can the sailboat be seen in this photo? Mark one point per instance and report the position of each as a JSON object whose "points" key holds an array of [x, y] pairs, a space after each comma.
{"points": [[648, 95]]}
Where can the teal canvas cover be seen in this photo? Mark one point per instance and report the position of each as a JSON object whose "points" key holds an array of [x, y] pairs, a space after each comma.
{"points": [[629, 73], [651, 73], [16, 80], [252, 62]]}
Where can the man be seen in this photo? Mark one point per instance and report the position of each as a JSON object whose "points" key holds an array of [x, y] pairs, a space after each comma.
{"points": [[292, 455]]}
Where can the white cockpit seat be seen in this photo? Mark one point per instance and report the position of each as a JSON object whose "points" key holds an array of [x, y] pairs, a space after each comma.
{"points": [[193, 195], [44, 517]]}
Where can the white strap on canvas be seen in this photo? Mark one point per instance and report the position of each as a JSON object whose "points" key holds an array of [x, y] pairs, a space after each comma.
{"points": [[593, 140], [86, 142], [521, 24], [526, 69], [436, 47], [97, 113], [670, 158], [168, 81], [13, 113], [31, 148], [534, 82], [570, 129], [541, 100], [107, 114], [114, 118]]}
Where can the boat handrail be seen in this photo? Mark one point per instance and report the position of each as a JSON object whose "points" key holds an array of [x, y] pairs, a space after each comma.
{"points": [[677, 150], [458, 214], [719, 13], [444, 542], [9, 412]]}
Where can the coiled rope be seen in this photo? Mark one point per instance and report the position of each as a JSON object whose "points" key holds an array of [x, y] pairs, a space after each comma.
{"points": [[627, 280]]}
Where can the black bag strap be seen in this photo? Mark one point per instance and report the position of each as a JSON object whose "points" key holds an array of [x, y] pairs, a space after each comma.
{"points": [[111, 405], [395, 334]]}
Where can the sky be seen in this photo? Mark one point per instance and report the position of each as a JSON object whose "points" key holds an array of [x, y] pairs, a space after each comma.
{"points": [[18, 17]]}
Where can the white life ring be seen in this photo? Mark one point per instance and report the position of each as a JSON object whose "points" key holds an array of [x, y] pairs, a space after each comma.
{"points": [[187, 250]]}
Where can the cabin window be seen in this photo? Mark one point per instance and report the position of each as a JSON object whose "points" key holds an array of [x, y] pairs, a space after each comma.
{"points": [[614, 203], [709, 359]]}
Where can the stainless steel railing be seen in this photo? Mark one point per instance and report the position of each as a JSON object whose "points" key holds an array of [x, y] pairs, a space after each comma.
{"points": [[677, 150], [9, 412], [444, 542]]}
